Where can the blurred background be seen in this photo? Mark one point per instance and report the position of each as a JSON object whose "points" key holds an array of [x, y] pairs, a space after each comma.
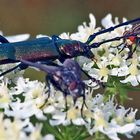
{"points": [[56, 16]]}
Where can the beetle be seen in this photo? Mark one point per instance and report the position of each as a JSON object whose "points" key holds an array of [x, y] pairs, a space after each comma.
{"points": [[65, 78], [46, 48], [49, 49]]}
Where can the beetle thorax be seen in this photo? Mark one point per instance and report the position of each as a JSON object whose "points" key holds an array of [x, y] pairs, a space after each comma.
{"points": [[72, 48]]}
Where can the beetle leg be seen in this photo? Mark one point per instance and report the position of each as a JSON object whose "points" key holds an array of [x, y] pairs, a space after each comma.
{"points": [[49, 88], [49, 63], [122, 48], [49, 91], [131, 52], [93, 79], [83, 104], [82, 107], [21, 66]]}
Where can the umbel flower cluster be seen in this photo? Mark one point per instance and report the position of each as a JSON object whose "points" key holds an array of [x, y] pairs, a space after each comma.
{"points": [[26, 111]]}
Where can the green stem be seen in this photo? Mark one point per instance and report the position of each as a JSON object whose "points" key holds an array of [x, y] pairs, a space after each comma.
{"points": [[97, 135]]}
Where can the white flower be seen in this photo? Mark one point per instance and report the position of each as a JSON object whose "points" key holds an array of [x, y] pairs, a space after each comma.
{"points": [[17, 38], [24, 110], [107, 23], [34, 94], [134, 75], [22, 99], [102, 71], [4, 95], [49, 137], [84, 31], [59, 118], [112, 120], [64, 36], [12, 130]]}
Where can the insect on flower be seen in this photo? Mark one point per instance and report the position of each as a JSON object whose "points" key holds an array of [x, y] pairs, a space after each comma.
{"points": [[132, 42], [65, 78], [48, 49]]}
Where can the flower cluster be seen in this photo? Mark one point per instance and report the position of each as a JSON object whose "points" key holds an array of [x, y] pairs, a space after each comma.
{"points": [[28, 98], [109, 62], [29, 112], [15, 114]]}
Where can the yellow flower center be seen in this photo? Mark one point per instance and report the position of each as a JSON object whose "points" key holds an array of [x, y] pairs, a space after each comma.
{"points": [[2, 132], [133, 70], [36, 135], [36, 92], [4, 95], [72, 113], [104, 71], [88, 114], [129, 119], [116, 61], [41, 104], [119, 120], [101, 122]]}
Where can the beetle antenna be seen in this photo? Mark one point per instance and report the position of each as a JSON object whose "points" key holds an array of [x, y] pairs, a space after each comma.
{"points": [[96, 45], [91, 37]]}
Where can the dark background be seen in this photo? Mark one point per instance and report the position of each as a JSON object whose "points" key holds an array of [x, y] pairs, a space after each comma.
{"points": [[56, 16]]}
